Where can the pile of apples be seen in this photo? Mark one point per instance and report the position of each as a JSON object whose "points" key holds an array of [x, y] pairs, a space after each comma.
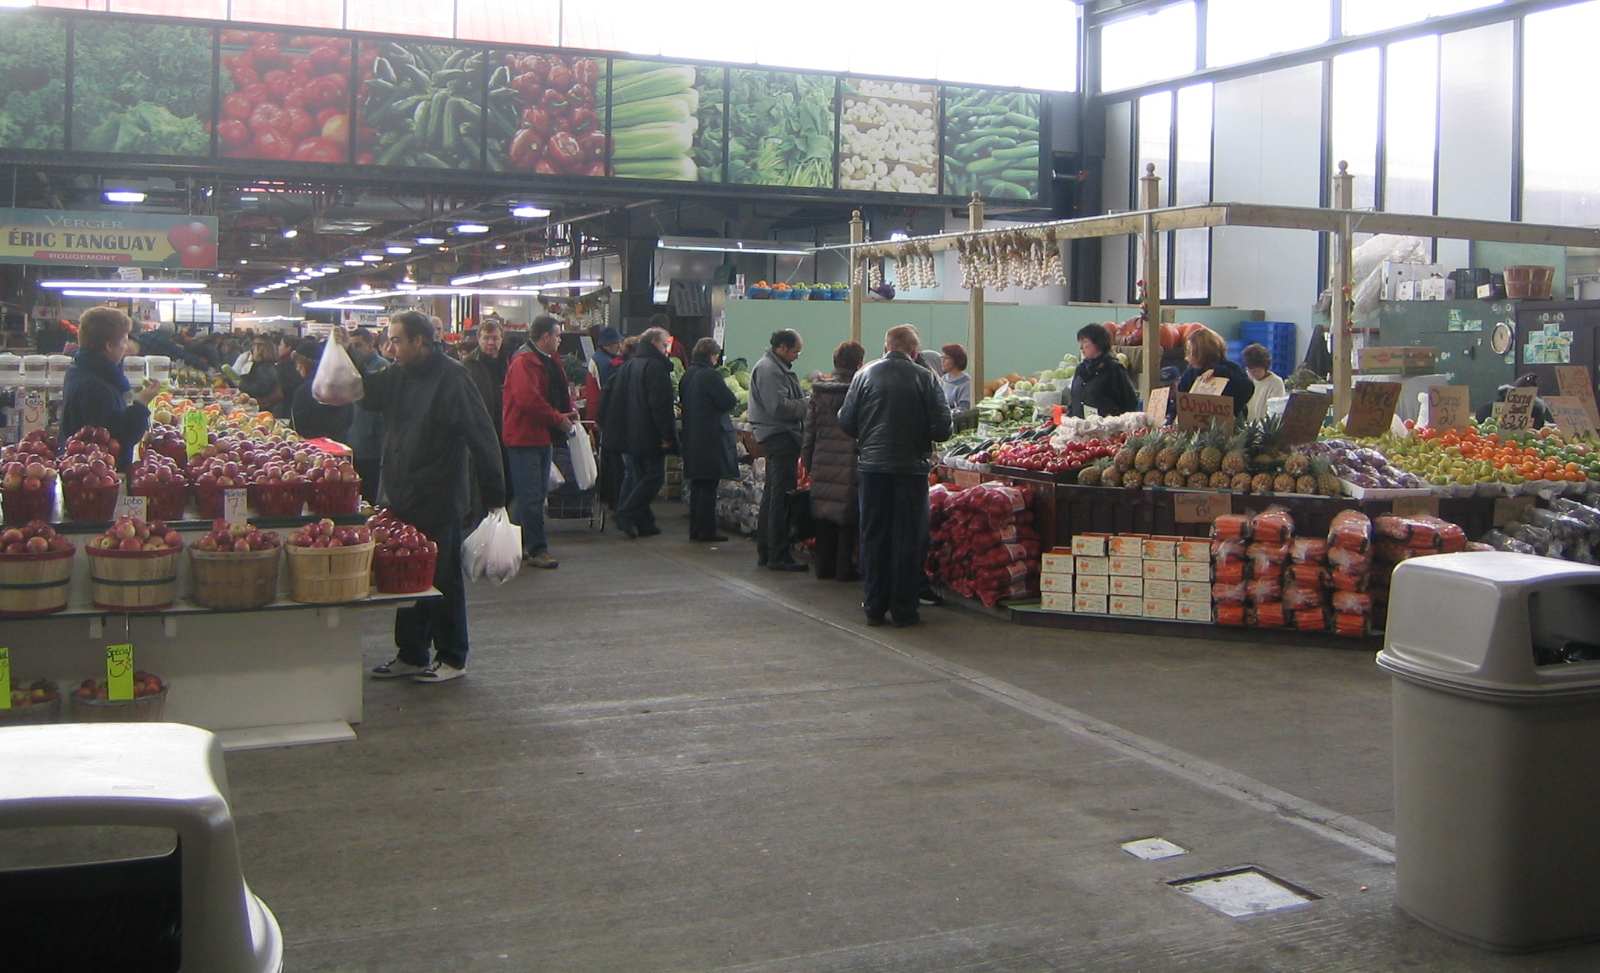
{"points": [[325, 533], [168, 441], [89, 477], [34, 538], [91, 439], [396, 538], [37, 693], [135, 534], [160, 480], [224, 538], [144, 684], [335, 487], [28, 478]]}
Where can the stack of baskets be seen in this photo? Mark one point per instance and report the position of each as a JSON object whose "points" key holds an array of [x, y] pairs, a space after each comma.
{"points": [[34, 584], [140, 709], [335, 498], [396, 575], [133, 580], [279, 499], [329, 575], [166, 501], [234, 580]]}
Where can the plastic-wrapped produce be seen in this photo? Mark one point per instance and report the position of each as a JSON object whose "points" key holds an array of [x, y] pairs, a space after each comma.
{"points": [[1590, 516], [1231, 571], [1267, 560], [1269, 614], [1501, 541], [1227, 550], [1263, 590], [1310, 619], [1228, 592], [1350, 531], [1231, 527], [1231, 613], [1560, 524], [1308, 550], [1273, 525], [1297, 598]]}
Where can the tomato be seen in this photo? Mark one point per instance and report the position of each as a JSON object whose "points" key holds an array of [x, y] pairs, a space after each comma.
{"points": [[300, 124], [336, 128], [319, 150], [365, 158], [233, 132], [237, 106], [593, 144], [280, 83], [327, 55], [257, 93], [268, 117], [298, 98], [302, 69], [325, 114], [269, 144], [244, 75]]}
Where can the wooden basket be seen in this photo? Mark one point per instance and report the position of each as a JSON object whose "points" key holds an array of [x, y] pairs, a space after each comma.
{"points": [[329, 575], [234, 579], [34, 584], [1531, 281], [142, 709], [133, 580], [36, 713]]}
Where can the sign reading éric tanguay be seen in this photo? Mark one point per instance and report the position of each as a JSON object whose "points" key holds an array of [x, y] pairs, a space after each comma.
{"points": [[81, 238]]}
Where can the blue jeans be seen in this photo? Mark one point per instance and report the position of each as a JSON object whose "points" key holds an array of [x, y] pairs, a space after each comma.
{"points": [[437, 623], [894, 542], [530, 479], [642, 479]]}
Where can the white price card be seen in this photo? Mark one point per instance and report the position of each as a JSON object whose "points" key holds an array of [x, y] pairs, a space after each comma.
{"points": [[235, 506], [132, 506]]}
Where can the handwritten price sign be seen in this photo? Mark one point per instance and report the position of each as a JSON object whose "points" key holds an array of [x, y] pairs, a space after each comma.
{"points": [[195, 435], [5, 677], [119, 671], [1199, 411]]}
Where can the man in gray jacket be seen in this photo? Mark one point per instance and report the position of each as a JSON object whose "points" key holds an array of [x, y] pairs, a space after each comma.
{"points": [[896, 412], [777, 418]]}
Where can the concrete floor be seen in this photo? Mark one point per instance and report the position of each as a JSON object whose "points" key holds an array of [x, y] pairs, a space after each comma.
{"points": [[664, 759]]}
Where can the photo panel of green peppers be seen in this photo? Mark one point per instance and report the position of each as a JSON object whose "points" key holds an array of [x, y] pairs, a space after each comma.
{"points": [[33, 80], [423, 103], [991, 143], [141, 88], [781, 128], [547, 114], [666, 121], [286, 96]]}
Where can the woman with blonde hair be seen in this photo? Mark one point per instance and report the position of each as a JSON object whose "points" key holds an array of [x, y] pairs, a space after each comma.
{"points": [[1207, 356]]}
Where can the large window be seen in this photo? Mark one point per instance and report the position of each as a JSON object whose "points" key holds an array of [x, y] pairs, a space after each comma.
{"points": [[1155, 148], [1143, 48], [1560, 176], [1355, 122], [1410, 128], [1244, 30], [1366, 16], [1191, 184]]}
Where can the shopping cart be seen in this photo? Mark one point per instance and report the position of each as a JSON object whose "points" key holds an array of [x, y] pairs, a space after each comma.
{"points": [[566, 502]]}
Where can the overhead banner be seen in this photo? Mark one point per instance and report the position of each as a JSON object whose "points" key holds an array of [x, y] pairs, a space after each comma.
{"points": [[66, 238]]}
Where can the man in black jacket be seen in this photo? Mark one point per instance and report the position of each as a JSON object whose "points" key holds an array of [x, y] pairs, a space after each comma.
{"points": [[896, 412], [637, 420], [434, 421]]}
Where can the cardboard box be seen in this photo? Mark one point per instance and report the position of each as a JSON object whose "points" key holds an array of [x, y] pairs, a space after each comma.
{"points": [[1436, 289], [1160, 548], [1193, 571], [1160, 608], [1396, 360], [1125, 605], [1089, 545], [1127, 567], [1092, 584], [1166, 590], [1162, 570], [1058, 561], [1132, 587], [1396, 273], [1055, 582], [1089, 604], [1126, 545], [1194, 591], [1092, 565], [1194, 550], [1194, 611], [1055, 601]]}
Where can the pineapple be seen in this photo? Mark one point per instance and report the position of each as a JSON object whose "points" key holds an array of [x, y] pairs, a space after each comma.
{"points": [[1123, 460], [1220, 480], [1090, 475], [1327, 481], [1173, 480], [1144, 458], [1152, 478], [1236, 460], [1211, 453], [1270, 431], [1305, 484], [1197, 481], [1261, 483], [1240, 483], [1167, 455], [1283, 483], [1132, 479], [1297, 464], [1189, 459]]}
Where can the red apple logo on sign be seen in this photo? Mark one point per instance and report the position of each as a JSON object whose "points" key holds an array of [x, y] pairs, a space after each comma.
{"points": [[194, 243]]}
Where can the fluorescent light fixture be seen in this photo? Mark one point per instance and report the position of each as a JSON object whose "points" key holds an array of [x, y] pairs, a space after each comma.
{"points": [[470, 228], [290, 233], [499, 246], [354, 263], [398, 249], [127, 295], [259, 290], [898, 235], [732, 246], [330, 269], [182, 285], [335, 305], [124, 196], [582, 284], [243, 261], [525, 211], [543, 267], [429, 241], [249, 199], [372, 258]]}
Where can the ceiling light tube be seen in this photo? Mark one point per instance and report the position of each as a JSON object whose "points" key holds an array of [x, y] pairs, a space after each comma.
{"points": [[563, 283], [527, 211], [128, 295], [372, 258], [330, 269], [543, 267], [470, 228], [429, 241], [732, 246], [182, 285], [398, 249], [354, 263], [290, 233], [124, 196]]}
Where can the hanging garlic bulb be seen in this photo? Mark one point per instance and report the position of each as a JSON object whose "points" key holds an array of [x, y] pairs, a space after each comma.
{"points": [[875, 275]]}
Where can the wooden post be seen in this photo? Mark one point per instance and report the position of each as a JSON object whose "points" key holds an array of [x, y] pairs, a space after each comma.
{"points": [[858, 234], [1339, 319], [975, 310], [1150, 199]]}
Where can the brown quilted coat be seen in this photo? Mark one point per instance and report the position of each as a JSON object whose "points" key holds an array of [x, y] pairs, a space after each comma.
{"points": [[830, 455]]}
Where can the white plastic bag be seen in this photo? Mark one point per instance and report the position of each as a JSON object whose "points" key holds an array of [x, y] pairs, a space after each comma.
{"points": [[494, 549], [555, 478], [337, 381], [584, 469]]}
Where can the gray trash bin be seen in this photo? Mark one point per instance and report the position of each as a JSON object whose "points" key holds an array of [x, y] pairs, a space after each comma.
{"points": [[1497, 746]]}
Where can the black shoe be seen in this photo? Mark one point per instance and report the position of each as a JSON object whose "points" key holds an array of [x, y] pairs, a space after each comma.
{"points": [[927, 596], [628, 531], [874, 621], [648, 531], [714, 538]]}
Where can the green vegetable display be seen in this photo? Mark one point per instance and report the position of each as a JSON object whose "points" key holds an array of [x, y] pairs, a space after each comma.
{"points": [[991, 143], [141, 88], [781, 128], [666, 121], [33, 81], [425, 101]]}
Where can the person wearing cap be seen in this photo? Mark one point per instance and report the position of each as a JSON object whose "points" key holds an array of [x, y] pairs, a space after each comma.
{"points": [[312, 419], [607, 353]]}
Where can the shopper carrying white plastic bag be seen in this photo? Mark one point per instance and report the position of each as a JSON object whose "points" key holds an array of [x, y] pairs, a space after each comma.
{"points": [[493, 550], [337, 381], [584, 468]]}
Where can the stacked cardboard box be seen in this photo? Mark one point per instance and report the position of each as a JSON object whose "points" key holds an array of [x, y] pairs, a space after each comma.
{"points": [[1132, 575]]}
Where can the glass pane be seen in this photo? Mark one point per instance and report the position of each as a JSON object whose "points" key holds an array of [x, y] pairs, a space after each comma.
{"points": [[1365, 16], [72, 4], [141, 88], [1155, 142], [718, 31], [299, 13], [1192, 248], [889, 136], [1147, 47], [208, 9], [1355, 121], [527, 22], [1411, 106], [983, 125], [686, 97], [285, 96], [1560, 182], [418, 18], [915, 53], [810, 42], [1243, 30], [1194, 264], [613, 25], [780, 129], [1046, 54], [35, 97]]}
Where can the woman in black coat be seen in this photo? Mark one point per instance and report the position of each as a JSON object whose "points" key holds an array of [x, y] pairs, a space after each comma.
{"points": [[1100, 382], [829, 454], [708, 449], [1207, 357], [95, 389]]}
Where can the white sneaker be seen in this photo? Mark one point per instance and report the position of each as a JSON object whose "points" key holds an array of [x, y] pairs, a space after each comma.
{"points": [[439, 672], [397, 668]]}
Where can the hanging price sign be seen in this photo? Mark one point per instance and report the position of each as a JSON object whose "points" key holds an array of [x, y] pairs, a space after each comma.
{"points": [[195, 436], [119, 671], [5, 677], [1449, 407], [1156, 407], [1372, 408]]}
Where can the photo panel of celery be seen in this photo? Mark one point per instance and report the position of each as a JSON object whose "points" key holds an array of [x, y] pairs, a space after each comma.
{"points": [[666, 121]]}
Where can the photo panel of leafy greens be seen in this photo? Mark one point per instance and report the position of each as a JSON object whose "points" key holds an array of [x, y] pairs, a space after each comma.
{"points": [[547, 114], [423, 102], [889, 137], [33, 80], [780, 129], [286, 96], [142, 89], [991, 143], [666, 121]]}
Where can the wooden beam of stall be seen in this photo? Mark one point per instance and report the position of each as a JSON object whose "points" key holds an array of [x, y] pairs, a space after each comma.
{"points": [[1150, 239], [858, 233], [1341, 291], [975, 310]]}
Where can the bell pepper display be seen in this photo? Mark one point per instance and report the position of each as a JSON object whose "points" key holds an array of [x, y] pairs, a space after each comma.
{"points": [[286, 96], [546, 114]]}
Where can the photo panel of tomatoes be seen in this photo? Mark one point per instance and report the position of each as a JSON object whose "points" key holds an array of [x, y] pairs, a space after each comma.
{"points": [[547, 114], [285, 96], [422, 104]]}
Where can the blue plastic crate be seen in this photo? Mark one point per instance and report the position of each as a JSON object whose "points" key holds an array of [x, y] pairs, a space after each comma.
{"points": [[1278, 337]]}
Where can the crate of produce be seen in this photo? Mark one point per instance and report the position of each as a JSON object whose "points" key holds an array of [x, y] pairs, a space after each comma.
{"points": [[329, 575], [133, 580], [163, 501], [89, 504], [91, 703], [334, 498], [234, 580], [1530, 281], [396, 574], [278, 498], [33, 704], [35, 584], [19, 505]]}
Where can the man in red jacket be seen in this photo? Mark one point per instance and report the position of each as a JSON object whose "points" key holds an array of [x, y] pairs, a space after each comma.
{"points": [[536, 408]]}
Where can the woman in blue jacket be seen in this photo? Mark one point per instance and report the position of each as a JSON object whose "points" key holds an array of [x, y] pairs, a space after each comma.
{"points": [[95, 392]]}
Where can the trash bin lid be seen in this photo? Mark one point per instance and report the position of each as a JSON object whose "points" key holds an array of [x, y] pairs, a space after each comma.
{"points": [[1469, 622], [109, 762]]}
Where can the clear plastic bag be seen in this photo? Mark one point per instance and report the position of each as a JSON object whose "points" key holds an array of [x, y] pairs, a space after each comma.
{"points": [[337, 381], [494, 550], [584, 469]]}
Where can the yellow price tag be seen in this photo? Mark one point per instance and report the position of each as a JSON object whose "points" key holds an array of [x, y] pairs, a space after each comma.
{"points": [[5, 677], [119, 671], [195, 437]]}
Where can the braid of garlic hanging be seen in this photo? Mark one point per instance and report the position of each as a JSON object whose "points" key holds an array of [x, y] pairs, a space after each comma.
{"points": [[1055, 269], [933, 267], [859, 275], [875, 275], [964, 264]]}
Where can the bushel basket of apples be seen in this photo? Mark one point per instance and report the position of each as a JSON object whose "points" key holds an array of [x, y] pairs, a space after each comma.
{"points": [[28, 480], [92, 703], [35, 570], [89, 479], [167, 441], [335, 488], [133, 566], [278, 498], [329, 564], [32, 704], [163, 485], [234, 567], [405, 558]]}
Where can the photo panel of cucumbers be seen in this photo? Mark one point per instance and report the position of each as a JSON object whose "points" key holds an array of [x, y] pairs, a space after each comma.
{"points": [[666, 121], [424, 102], [141, 88], [547, 114], [991, 143], [287, 96], [781, 128], [33, 98]]}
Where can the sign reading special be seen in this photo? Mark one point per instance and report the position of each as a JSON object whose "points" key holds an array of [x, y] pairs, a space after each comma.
{"points": [[85, 239]]}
